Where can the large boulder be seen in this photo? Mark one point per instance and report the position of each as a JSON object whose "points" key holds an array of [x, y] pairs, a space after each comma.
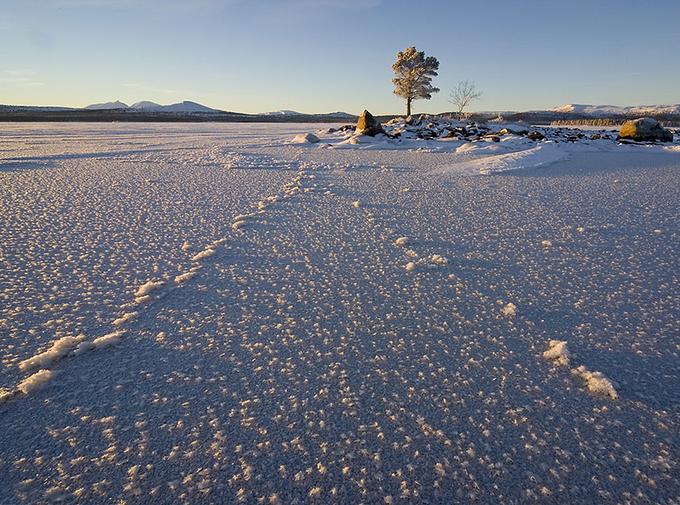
{"points": [[368, 125], [645, 129]]}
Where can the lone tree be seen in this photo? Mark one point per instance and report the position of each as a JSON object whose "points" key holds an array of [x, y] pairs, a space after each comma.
{"points": [[413, 76], [463, 94]]}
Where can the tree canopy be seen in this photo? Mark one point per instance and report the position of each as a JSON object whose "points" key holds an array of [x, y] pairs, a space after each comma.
{"points": [[413, 73]]}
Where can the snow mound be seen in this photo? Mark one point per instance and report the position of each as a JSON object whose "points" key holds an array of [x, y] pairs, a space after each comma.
{"points": [[305, 138], [510, 310], [186, 276], [35, 381], [6, 395], [143, 291], [108, 339], [59, 349], [437, 259], [558, 352], [205, 253], [596, 381], [128, 316], [538, 156]]}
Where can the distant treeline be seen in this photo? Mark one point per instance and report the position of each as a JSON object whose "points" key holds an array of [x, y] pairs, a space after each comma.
{"points": [[606, 122], [566, 119], [586, 122]]}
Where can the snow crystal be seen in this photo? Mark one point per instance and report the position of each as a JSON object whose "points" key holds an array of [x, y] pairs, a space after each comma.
{"points": [[596, 381], [558, 352], [35, 381], [59, 349]]}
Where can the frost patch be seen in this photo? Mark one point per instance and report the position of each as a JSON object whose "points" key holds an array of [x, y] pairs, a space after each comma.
{"points": [[59, 349], [558, 352], [35, 381], [596, 381]]}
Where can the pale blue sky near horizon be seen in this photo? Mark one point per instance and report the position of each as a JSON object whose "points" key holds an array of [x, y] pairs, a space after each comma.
{"points": [[336, 55]]}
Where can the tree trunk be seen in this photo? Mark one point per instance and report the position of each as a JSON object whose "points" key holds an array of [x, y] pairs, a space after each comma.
{"points": [[408, 106]]}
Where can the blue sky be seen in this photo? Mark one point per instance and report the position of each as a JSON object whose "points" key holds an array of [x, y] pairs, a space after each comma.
{"points": [[329, 55]]}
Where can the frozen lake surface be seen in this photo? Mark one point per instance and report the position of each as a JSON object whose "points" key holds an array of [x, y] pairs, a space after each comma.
{"points": [[210, 314]]}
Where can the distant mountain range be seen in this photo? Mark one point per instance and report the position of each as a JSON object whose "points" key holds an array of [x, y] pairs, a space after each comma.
{"points": [[146, 106], [292, 113], [614, 110], [192, 111], [152, 111]]}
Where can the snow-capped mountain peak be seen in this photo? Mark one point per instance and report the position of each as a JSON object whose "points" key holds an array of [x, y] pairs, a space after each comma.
{"points": [[148, 106], [107, 106], [145, 105]]}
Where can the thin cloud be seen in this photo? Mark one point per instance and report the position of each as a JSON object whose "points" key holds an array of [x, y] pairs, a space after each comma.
{"points": [[160, 5], [20, 77]]}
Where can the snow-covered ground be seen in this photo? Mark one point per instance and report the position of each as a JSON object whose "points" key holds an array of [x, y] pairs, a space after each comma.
{"points": [[212, 314]]}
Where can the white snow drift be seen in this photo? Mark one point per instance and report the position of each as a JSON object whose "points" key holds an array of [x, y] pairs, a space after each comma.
{"points": [[59, 349]]}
